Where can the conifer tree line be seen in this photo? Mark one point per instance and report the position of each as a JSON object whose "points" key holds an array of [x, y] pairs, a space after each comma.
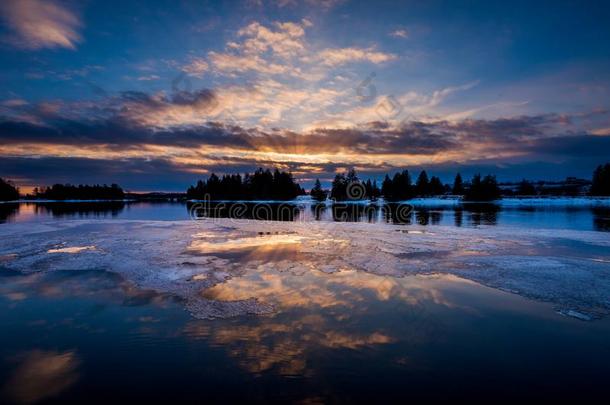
{"points": [[265, 184], [401, 187], [260, 185], [80, 192], [8, 192]]}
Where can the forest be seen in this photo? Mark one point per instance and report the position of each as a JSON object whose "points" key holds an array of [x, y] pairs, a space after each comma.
{"points": [[80, 192], [260, 185], [400, 187], [264, 184]]}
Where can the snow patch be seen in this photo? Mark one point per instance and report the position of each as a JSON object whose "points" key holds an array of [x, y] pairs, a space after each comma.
{"points": [[71, 250]]}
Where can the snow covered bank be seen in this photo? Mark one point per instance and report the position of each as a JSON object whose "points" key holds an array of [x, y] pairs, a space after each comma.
{"points": [[570, 269], [516, 202]]}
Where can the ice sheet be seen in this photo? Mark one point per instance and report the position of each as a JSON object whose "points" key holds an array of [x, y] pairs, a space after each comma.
{"points": [[570, 269]]}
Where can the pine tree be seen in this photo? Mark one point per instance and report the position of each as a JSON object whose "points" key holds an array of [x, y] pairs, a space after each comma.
{"points": [[485, 189], [317, 193], [601, 181], [338, 191], [436, 186], [386, 188], [368, 187], [376, 191], [345, 181], [422, 185], [458, 185]]}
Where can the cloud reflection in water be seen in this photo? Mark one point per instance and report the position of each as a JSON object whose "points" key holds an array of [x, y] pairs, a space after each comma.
{"points": [[41, 375]]}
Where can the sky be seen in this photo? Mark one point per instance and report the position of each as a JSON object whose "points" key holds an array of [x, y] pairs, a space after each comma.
{"points": [[154, 95]]}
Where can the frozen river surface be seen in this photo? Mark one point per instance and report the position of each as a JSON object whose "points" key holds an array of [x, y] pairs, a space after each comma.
{"points": [[228, 309]]}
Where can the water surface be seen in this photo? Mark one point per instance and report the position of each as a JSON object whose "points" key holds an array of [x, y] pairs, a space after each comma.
{"points": [[333, 336], [347, 336], [578, 216]]}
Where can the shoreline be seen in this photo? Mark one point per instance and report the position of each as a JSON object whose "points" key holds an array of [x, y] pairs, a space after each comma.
{"points": [[423, 201]]}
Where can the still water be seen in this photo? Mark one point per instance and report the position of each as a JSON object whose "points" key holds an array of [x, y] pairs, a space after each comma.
{"points": [[576, 216], [345, 336]]}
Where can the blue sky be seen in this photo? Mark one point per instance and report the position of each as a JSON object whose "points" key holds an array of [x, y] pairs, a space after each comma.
{"points": [[153, 95]]}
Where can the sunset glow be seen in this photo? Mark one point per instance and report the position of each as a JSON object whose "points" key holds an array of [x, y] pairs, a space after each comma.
{"points": [[164, 96]]}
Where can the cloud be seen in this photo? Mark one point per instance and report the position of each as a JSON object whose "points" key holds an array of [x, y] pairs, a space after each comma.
{"points": [[502, 107], [325, 4], [410, 105], [340, 56], [593, 147], [137, 127], [282, 49], [196, 67], [225, 62], [400, 33], [440, 95], [601, 132], [319, 4], [264, 50], [284, 41], [38, 24], [148, 78], [158, 109], [267, 103], [14, 102], [191, 133]]}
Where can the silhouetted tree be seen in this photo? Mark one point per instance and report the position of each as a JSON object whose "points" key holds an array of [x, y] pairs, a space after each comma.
{"points": [[347, 186], [526, 188], [368, 187], [8, 191], [422, 184], [81, 192], [485, 189], [376, 190], [351, 176], [458, 185], [386, 187], [435, 187], [372, 191], [601, 181], [260, 185], [338, 191], [398, 188], [317, 193]]}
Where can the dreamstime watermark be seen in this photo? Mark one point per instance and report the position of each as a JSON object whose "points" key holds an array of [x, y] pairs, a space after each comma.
{"points": [[181, 83], [356, 208], [388, 107], [335, 240], [366, 90]]}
